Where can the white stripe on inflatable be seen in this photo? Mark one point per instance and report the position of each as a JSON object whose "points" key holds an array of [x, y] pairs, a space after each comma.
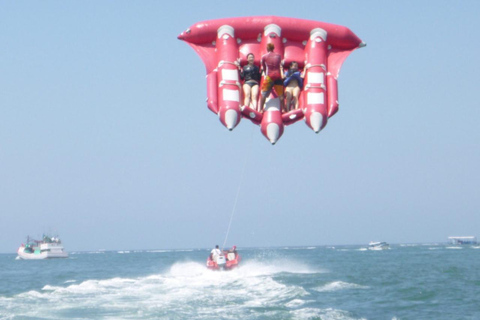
{"points": [[272, 104], [315, 98], [318, 32], [316, 77], [272, 28], [231, 95], [226, 29], [228, 74]]}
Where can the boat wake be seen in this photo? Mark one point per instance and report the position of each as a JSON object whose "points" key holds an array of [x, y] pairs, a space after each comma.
{"points": [[185, 290]]}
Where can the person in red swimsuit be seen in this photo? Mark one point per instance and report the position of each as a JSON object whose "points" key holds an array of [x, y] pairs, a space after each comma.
{"points": [[273, 75]]}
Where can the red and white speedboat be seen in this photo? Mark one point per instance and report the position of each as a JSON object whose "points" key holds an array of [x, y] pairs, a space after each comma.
{"points": [[228, 260]]}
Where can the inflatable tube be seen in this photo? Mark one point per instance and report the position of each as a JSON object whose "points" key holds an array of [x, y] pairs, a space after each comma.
{"points": [[319, 47], [314, 92], [272, 124]]}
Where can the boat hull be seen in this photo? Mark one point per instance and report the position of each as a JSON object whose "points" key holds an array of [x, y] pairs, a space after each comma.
{"points": [[37, 255]]}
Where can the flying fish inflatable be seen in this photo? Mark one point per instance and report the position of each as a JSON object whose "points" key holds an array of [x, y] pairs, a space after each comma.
{"points": [[319, 48]]}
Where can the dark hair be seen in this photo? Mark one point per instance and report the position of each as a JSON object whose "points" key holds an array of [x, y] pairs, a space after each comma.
{"points": [[270, 47], [250, 54], [291, 63]]}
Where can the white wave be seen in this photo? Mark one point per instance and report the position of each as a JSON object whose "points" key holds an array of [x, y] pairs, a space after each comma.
{"points": [[247, 269], [325, 314], [70, 281], [276, 266], [205, 292], [158, 251], [299, 248], [475, 247], [455, 248], [295, 303], [50, 288], [359, 249], [339, 285]]}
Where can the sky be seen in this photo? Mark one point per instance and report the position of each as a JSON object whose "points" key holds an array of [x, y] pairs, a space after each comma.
{"points": [[106, 139]]}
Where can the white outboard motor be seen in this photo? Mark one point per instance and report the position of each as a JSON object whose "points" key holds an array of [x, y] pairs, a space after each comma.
{"points": [[221, 261]]}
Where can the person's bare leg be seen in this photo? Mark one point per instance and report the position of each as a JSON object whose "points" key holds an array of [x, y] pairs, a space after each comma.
{"points": [[262, 103], [288, 98], [255, 97], [296, 95], [246, 93]]}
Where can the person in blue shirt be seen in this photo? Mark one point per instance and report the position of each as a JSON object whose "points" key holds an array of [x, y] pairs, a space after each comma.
{"points": [[293, 85]]}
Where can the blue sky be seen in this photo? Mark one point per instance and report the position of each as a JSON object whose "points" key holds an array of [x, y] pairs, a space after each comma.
{"points": [[106, 139]]}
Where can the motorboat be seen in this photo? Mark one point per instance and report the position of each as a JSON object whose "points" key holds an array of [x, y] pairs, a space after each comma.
{"points": [[47, 248], [228, 260], [378, 245]]}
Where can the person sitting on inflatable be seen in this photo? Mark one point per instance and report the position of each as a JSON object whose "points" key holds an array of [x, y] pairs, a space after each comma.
{"points": [[250, 73], [293, 84]]}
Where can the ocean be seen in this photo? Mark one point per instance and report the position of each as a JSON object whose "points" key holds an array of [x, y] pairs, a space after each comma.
{"points": [[424, 281]]}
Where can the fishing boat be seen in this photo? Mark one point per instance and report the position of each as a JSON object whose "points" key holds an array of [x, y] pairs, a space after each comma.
{"points": [[47, 248], [378, 245], [227, 260]]}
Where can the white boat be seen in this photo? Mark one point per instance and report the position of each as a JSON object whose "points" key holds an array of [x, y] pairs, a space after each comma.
{"points": [[378, 245], [463, 240], [47, 248]]}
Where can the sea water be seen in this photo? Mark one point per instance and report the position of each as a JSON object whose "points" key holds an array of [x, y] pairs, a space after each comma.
{"points": [[430, 281]]}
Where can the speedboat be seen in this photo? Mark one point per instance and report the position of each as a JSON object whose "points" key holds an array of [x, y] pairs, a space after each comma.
{"points": [[378, 245], [47, 248], [228, 260]]}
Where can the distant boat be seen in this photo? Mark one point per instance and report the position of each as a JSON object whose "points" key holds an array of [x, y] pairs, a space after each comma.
{"points": [[47, 248], [378, 245], [463, 240]]}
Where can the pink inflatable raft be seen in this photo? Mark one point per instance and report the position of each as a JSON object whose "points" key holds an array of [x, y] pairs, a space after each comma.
{"points": [[320, 48]]}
